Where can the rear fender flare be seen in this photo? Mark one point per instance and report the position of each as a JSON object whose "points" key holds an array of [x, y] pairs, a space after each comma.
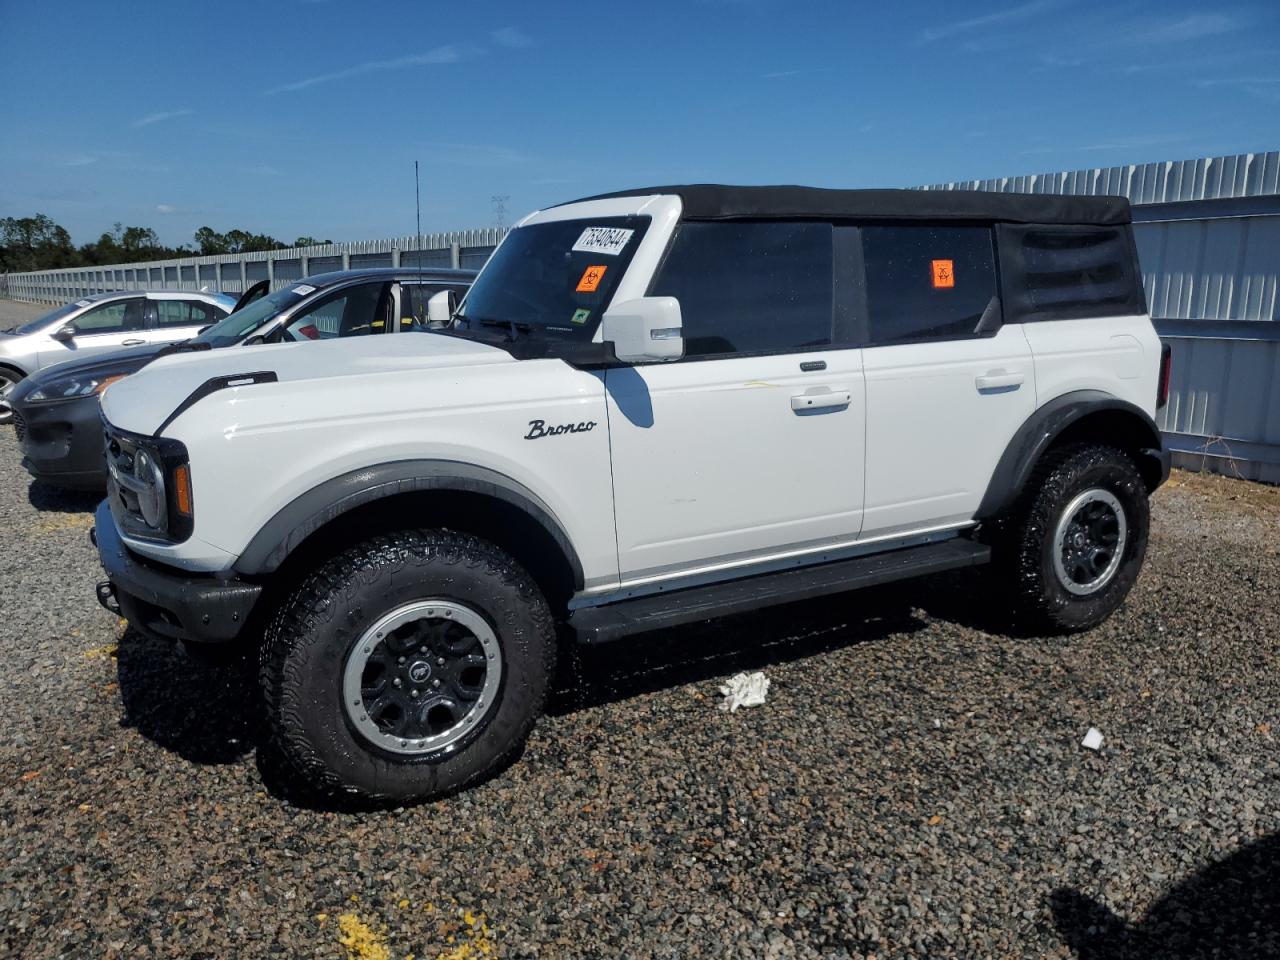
{"points": [[1038, 433]]}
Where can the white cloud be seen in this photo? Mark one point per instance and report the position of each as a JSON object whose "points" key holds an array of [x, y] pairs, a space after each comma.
{"points": [[166, 208], [160, 117], [1011, 15], [511, 37], [438, 55], [1195, 27], [76, 160]]}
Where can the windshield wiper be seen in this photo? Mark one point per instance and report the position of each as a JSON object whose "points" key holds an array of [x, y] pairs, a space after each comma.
{"points": [[514, 329]]}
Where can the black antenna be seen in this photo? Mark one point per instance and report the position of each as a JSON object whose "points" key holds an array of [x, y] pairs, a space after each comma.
{"points": [[417, 203]]}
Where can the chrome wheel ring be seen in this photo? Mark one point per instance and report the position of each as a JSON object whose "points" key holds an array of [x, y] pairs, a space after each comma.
{"points": [[1089, 542], [422, 677], [7, 383]]}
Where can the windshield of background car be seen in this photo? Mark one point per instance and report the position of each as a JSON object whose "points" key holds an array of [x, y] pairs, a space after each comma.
{"points": [[48, 318], [236, 326], [554, 279]]}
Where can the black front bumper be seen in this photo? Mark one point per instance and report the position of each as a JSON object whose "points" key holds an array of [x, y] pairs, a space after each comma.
{"points": [[62, 442], [164, 602]]}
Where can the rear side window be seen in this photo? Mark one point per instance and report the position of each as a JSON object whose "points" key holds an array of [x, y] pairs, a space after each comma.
{"points": [[929, 283], [1070, 272], [749, 287], [186, 313]]}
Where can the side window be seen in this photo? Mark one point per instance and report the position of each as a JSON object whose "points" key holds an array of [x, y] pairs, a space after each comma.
{"points": [[203, 313], [354, 312], [1070, 272], [115, 317], [928, 282], [185, 313], [750, 287], [413, 302]]}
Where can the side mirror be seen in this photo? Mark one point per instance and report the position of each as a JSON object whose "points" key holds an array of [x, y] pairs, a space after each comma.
{"points": [[644, 330], [440, 309], [65, 333]]}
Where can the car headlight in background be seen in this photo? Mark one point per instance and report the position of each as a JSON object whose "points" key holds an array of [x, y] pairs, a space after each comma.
{"points": [[71, 387]]}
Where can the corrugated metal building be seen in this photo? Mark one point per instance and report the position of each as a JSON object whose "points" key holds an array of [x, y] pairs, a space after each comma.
{"points": [[1208, 235]]}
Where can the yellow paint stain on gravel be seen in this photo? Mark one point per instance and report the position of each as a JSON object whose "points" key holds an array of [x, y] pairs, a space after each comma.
{"points": [[361, 940], [56, 522], [106, 650], [477, 942]]}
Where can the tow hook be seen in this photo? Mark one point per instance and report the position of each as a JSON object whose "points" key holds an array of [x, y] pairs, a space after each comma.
{"points": [[106, 591]]}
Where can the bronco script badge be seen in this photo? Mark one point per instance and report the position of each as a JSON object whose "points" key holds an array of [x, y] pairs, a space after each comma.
{"points": [[539, 429]]}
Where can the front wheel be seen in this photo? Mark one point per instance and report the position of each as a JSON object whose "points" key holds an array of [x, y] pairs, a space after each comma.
{"points": [[1075, 544], [8, 380], [407, 667]]}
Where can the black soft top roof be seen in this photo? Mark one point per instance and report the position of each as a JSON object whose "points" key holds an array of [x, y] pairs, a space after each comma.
{"points": [[714, 201]]}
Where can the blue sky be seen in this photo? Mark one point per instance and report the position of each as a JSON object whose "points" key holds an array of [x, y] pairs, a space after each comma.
{"points": [[296, 117]]}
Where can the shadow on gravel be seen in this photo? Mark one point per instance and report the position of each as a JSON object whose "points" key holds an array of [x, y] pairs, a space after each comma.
{"points": [[206, 712], [591, 676], [1229, 911], [45, 497]]}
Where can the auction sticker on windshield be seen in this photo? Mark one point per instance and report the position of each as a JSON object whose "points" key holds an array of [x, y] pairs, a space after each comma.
{"points": [[607, 240], [591, 278]]}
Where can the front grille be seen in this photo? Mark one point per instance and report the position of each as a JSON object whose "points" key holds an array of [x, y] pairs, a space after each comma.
{"points": [[124, 501], [19, 426]]}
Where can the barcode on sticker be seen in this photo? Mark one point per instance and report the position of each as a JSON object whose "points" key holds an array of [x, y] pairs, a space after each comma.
{"points": [[607, 240], [303, 289]]}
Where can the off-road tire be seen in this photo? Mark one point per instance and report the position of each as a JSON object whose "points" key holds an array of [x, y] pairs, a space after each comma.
{"points": [[1025, 546], [311, 738]]}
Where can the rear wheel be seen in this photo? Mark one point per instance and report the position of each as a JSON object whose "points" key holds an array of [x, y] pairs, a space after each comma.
{"points": [[1076, 541], [407, 667]]}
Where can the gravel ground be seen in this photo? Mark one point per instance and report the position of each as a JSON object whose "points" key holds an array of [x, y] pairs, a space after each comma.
{"points": [[914, 786]]}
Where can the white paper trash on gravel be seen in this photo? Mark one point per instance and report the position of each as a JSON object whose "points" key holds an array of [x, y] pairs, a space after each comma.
{"points": [[744, 690], [1093, 739]]}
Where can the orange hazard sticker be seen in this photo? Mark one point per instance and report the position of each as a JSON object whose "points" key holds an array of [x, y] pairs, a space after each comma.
{"points": [[944, 274], [591, 278]]}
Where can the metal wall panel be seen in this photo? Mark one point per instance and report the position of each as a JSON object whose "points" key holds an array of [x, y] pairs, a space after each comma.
{"points": [[1221, 269]]}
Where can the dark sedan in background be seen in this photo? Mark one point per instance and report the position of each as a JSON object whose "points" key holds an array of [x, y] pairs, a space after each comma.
{"points": [[55, 411]]}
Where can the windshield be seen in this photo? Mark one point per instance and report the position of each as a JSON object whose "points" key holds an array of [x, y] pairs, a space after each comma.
{"points": [[50, 317], [553, 279], [236, 326]]}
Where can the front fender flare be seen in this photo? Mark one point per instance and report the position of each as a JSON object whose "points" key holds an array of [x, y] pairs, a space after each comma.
{"points": [[1044, 426], [296, 521]]}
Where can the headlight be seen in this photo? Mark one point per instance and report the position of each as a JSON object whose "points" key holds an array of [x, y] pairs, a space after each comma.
{"points": [[69, 387], [151, 496]]}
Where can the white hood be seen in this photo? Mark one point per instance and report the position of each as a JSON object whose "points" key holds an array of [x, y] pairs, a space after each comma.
{"points": [[142, 402]]}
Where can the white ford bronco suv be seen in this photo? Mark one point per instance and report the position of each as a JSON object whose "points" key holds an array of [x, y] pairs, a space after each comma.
{"points": [[651, 408]]}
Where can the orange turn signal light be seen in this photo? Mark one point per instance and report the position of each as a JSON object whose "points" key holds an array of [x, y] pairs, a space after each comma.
{"points": [[182, 489], [107, 382]]}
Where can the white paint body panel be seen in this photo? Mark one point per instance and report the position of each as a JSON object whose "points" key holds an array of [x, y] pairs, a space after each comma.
{"points": [[1117, 355], [712, 466], [341, 405], [933, 435]]}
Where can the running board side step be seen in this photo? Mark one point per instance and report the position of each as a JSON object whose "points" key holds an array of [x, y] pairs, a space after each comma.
{"points": [[613, 621]]}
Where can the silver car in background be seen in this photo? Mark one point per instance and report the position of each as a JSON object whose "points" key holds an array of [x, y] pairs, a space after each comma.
{"points": [[102, 323]]}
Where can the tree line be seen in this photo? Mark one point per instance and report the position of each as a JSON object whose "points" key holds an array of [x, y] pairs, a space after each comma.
{"points": [[38, 243]]}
